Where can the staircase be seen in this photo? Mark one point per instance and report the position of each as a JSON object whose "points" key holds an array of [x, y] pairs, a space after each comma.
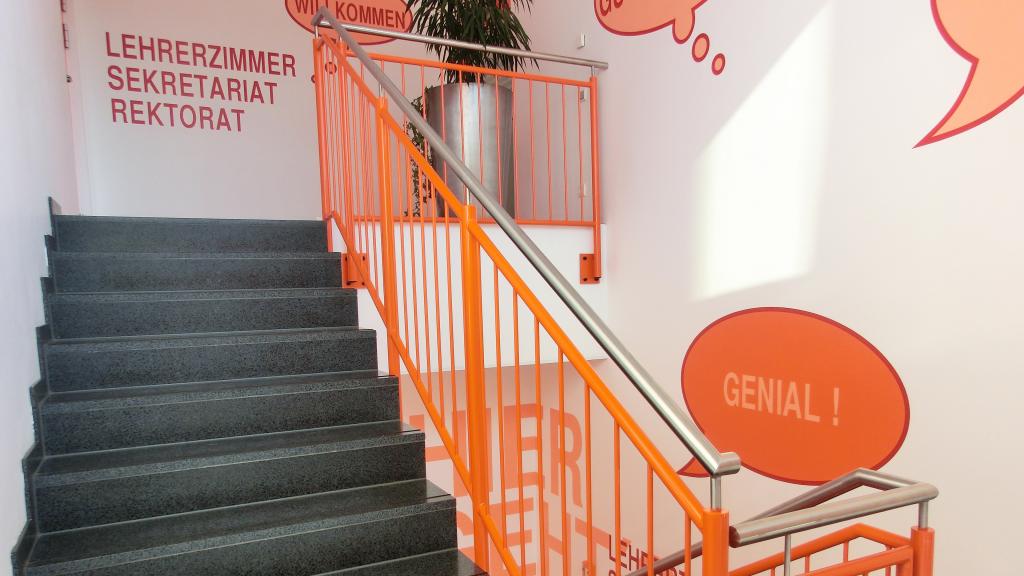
{"points": [[209, 407]]}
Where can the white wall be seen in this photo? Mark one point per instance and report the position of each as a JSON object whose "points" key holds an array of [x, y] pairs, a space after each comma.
{"points": [[268, 170], [792, 180], [35, 162]]}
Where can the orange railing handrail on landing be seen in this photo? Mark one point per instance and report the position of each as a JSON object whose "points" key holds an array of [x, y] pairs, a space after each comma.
{"points": [[587, 161], [452, 302], [899, 553]]}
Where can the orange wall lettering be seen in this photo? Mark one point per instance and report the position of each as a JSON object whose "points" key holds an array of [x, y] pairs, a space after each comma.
{"points": [[390, 14]]}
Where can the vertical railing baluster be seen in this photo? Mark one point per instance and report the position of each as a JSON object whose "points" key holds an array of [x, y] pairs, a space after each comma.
{"points": [[542, 505], [347, 130], [591, 548], [321, 130], [566, 532], [922, 539], [595, 177], [565, 159], [650, 521], [500, 404], [387, 240], [787, 567], [519, 427], [476, 393], [616, 462], [716, 543], [688, 546]]}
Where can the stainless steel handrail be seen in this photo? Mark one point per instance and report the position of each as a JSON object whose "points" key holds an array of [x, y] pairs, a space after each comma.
{"points": [[815, 509], [716, 463], [360, 29], [859, 478], [754, 531]]}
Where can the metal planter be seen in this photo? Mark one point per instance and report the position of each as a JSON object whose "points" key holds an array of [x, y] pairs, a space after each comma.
{"points": [[476, 121]]}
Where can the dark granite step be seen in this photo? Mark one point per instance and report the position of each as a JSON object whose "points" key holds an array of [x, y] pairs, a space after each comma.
{"points": [[95, 488], [137, 361], [115, 234], [290, 537], [114, 418], [121, 272], [76, 315], [444, 563], [209, 409]]}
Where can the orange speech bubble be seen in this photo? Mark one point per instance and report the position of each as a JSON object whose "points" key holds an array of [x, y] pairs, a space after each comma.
{"points": [[990, 35], [635, 17], [799, 397], [390, 14]]}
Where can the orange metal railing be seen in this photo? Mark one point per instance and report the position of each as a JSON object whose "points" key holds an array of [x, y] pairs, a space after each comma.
{"points": [[899, 554], [452, 304], [548, 456], [552, 134]]}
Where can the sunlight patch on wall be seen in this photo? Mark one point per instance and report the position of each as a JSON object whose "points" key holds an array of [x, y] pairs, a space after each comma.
{"points": [[758, 183]]}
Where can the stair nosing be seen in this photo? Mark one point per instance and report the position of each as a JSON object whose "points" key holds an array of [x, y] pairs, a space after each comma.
{"points": [[148, 296], [240, 334], [479, 571], [43, 479], [260, 387], [58, 254], [158, 219], [277, 394], [432, 503], [368, 373]]}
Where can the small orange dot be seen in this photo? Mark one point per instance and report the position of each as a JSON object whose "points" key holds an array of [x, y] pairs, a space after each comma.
{"points": [[718, 64], [701, 46]]}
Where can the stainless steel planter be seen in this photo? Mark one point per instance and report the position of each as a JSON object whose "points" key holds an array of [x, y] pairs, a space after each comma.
{"points": [[476, 121]]}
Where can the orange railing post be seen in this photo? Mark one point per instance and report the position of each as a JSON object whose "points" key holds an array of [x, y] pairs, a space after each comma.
{"points": [[321, 128], [923, 542], [595, 177], [716, 543], [348, 145], [387, 239], [476, 394]]}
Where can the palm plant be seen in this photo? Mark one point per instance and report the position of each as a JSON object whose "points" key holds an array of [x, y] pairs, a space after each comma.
{"points": [[487, 22]]}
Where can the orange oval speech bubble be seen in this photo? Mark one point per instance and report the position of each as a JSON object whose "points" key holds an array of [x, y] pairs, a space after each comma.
{"points": [[635, 17], [801, 398], [990, 35], [390, 14]]}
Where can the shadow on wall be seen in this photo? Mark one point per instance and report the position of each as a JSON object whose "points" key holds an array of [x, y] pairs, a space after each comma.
{"points": [[812, 195], [758, 183]]}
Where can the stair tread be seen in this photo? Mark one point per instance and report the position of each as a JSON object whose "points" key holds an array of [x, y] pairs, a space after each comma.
{"points": [[443, 563], [190, 295], [94, 466], [215, 405], [198, 255], [148, 342], [190, 532], [163, 220], [158, 394]]}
